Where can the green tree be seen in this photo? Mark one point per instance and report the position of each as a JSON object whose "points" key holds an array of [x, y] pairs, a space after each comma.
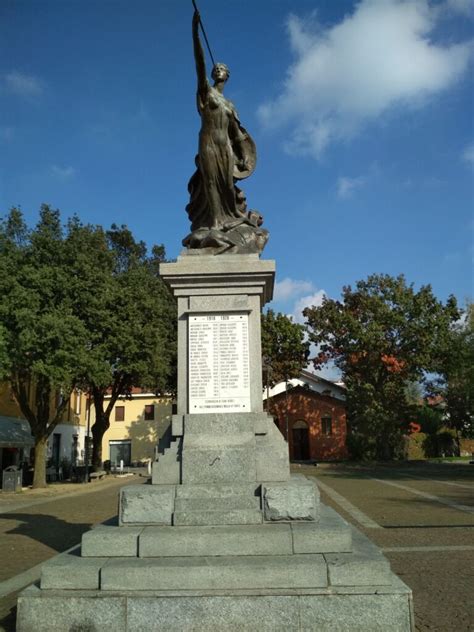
{"points": [[454, 381], [382, 335], [42, 340], [130, 319], [285, 350]]}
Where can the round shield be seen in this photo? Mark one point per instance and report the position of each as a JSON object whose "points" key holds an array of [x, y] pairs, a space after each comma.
{"points": [[249, 152]]}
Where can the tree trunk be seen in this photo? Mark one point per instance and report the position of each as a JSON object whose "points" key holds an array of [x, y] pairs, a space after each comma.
{"points": [[98, 430], [458, 442], [39, 477]]}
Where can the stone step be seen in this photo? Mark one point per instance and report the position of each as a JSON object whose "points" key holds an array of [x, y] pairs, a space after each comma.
{"points": [[365, 566], [207, 573], [111, 541], [222, 503], [217, 490], [230, 516], [271, 539], [362, 609], [70, 572], [330, 535]]}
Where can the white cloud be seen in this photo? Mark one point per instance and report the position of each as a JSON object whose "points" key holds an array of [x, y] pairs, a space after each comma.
{"points": [[347, 186], [23, 85], [379, 57], [288, 288], [63, 173], [468, 155], [310, 300], [6, 133]]}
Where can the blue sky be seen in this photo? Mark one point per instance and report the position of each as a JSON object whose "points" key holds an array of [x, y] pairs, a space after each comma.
{"points": [[362, 113]]}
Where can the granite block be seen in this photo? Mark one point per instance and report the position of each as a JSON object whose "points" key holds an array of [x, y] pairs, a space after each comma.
{"points": [[365, 566], [210, 573], [222, 490], [347, 569], [231, 516], [70, 572], [331, 534], [167, 470], [342, 609], [177, 425], [219, 464], [213, 504], [272, 459], [146, 504], [297, 499], [236, 613], [41, 611], [356, 613], [107, 541], [218, 425], [270, 539]]}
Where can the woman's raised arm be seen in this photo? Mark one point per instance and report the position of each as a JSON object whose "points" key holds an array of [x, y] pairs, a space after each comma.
{"points": [[199, 56]]}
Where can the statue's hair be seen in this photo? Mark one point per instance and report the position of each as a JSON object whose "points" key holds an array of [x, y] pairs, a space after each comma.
{"points": [[224, 66]]}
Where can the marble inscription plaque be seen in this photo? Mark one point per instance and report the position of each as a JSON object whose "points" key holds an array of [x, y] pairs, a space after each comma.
{"points": [[219, 379]]}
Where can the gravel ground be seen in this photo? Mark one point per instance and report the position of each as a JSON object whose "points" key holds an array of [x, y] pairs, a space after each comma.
{"points": [[37, 524], [442, 580]]}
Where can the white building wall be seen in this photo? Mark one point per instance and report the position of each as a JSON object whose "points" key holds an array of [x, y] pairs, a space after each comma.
{"points": [[67, 432]]}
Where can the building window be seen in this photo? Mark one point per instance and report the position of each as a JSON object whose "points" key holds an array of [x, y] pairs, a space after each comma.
{"points": [[149, 412], [326, 424], [119, 413]]}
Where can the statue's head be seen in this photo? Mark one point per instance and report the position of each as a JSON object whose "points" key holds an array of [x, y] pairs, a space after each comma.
{"points": [[220, 72]]}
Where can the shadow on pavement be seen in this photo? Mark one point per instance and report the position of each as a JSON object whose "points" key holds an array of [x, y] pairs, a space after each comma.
{"points": [[8, 622], [55, 533]]}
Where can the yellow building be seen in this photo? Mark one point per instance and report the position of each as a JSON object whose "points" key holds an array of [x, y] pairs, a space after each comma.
{"points": [[136, 426], [66, 442]]}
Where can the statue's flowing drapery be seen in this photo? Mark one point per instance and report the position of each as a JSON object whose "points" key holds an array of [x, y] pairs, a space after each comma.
{"points": [[226, 154]]}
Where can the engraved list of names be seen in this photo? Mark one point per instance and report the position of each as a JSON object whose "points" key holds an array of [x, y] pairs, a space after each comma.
{"points": [[219, 379]]}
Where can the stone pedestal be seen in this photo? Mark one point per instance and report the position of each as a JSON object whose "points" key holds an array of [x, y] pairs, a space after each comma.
{"points": [[224, 538]]}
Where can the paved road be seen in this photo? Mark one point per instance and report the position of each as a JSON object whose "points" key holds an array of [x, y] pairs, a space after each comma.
{"points": [[422, 516], [37, 524]]}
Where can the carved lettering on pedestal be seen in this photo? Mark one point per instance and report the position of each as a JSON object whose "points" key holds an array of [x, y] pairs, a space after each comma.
{"points": [[219, 380]]}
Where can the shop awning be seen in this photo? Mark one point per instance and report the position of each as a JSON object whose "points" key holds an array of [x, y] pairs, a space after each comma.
{"points": [[15, 433]]}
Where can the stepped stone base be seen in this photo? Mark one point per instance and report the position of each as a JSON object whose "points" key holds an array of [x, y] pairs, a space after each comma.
{"points": [[293, 575], [349, 609]]}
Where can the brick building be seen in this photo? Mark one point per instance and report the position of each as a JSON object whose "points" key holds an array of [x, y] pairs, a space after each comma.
{"points": [[313, 414]]}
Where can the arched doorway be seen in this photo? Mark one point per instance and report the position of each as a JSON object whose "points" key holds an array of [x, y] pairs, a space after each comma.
{"points": [[300, 437]]}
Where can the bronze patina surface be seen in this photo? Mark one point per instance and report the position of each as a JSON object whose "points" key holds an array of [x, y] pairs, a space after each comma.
{"points": [[220, 219]]}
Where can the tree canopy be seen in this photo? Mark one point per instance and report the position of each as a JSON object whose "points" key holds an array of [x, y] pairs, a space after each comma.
{"points": [[81, 307], [131, 321], [453, 382], [285, 350], [382, 335], [43, 341]]}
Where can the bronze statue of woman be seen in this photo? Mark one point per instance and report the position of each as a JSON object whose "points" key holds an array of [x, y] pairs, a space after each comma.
{"points": [[217, 207]]}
